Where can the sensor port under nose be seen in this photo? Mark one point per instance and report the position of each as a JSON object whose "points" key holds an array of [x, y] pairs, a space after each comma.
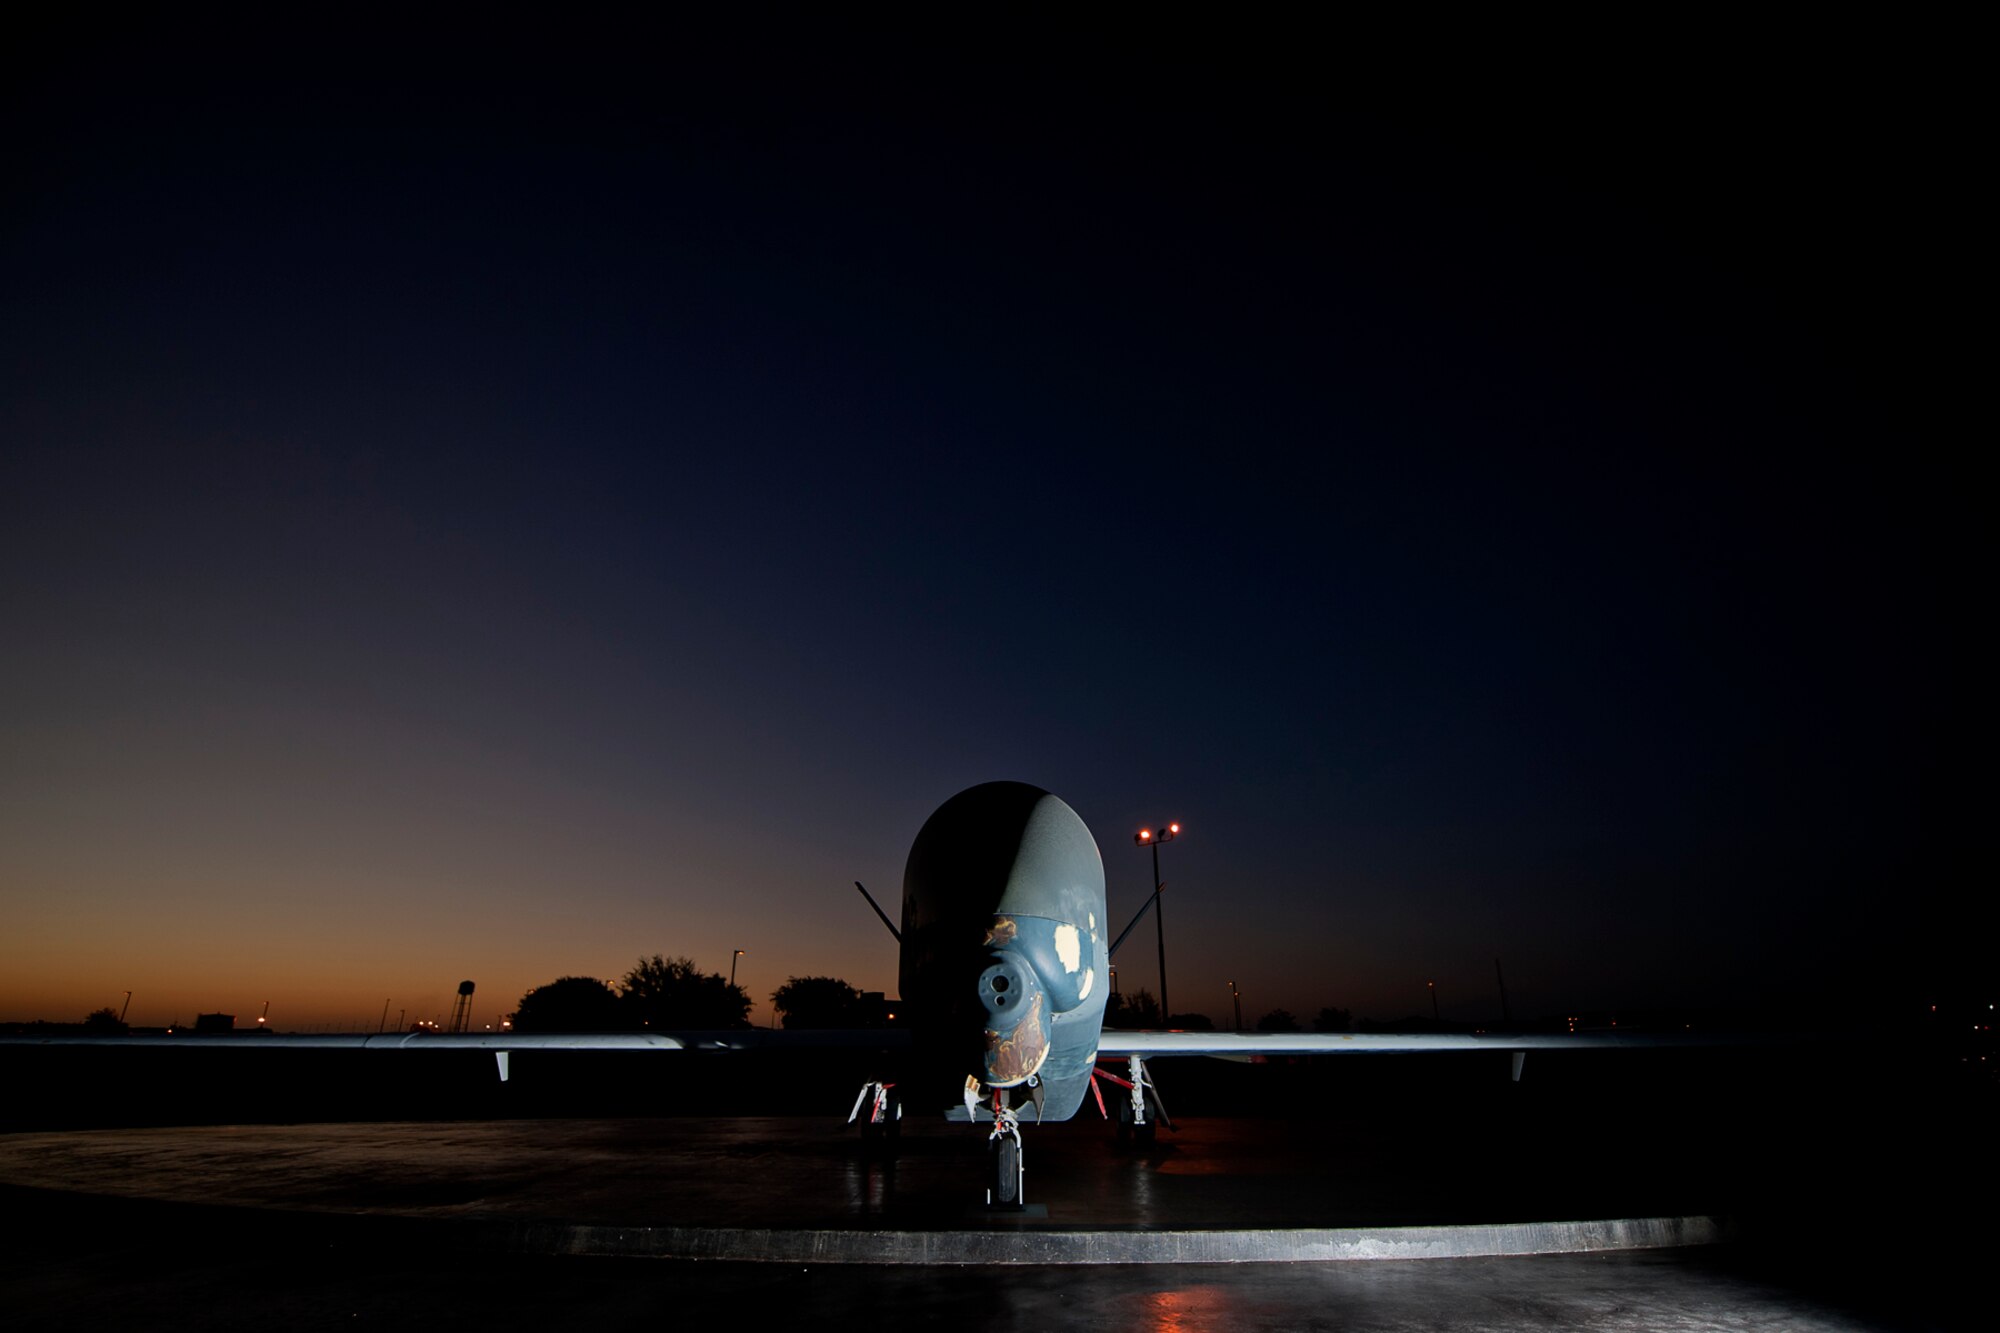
{"points": [[1005, 987]]}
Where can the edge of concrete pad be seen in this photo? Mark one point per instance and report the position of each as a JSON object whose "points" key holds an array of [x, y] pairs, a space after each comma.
{"points": [[996, 1245], [999, 1247]]}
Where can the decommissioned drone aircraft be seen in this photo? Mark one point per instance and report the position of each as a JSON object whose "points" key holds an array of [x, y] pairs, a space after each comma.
{"points": [[1004, 970]]}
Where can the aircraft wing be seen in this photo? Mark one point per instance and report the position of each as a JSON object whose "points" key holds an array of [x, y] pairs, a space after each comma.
{"points": [[1111, 1042], [381, 1041], [499, 1044], [373, 1041], [741, 1039], [1116, 1043]]}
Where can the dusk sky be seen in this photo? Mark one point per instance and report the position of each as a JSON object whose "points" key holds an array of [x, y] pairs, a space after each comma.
{"points": [[494, 504]]}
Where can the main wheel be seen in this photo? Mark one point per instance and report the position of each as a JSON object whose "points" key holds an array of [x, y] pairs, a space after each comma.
{"points": [[1141, 1133], [891, 1128], [884, 1137]]}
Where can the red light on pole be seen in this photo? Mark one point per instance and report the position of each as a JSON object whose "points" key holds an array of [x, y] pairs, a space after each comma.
{"points": [[1153, 838]]}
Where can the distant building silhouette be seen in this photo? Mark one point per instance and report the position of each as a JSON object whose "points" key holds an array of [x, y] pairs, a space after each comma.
{"points": [[879, 1011]]}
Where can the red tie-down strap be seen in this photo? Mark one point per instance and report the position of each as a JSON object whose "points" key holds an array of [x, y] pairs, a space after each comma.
{"points": [[1097, 1092]]}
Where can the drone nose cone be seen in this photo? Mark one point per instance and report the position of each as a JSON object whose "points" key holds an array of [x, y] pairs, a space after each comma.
{"points": [[1017, 1021]]}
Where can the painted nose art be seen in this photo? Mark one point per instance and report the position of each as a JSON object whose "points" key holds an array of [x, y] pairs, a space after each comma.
{"points": [[1017, 1034]]}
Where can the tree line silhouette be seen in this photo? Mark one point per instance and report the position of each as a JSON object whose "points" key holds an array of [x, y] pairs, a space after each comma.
{"points": [[1139, 1009], [674, 993]]}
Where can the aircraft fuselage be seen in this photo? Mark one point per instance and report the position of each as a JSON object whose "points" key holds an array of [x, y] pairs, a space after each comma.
{"points": [[1004, 960]]}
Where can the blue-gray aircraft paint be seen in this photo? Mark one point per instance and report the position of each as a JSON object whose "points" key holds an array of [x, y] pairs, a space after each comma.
{"points": [[1004, 958]]}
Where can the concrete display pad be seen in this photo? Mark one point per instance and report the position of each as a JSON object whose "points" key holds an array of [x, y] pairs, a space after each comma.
{"points": [[801, 1190]]}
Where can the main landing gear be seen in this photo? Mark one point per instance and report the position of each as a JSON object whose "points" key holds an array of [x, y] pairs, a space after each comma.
{"points": [[882, 1123], [1134, 1124]]}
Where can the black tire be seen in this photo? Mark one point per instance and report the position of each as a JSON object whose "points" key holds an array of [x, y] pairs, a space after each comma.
{"points": [[1141, 1133], [1006, 1172], [883, 1138], [890, 1131]]}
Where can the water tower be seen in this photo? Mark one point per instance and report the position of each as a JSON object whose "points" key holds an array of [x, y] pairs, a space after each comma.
{"points": [[461, 1012]]}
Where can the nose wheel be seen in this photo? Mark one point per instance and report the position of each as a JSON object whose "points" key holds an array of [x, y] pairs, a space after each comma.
{"points": [[1006, 1180], [1008, 1177]]}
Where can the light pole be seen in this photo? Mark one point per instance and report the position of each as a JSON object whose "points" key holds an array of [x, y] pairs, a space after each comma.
{"points": [[1153, 838], [1237, 996], [732, 966]]}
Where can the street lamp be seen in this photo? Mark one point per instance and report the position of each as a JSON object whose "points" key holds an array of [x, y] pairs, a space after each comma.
{"points": [[1153, 838], [1237, 996], [732, 966]]}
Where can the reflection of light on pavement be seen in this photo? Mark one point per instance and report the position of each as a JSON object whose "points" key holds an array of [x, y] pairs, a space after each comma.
{"points": [[854, 1185], [1191, 1310], [1216, 1166], [867, 1182], [1142, 1188]]}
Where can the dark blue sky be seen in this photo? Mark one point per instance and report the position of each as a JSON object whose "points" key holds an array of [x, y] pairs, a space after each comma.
{"points": [[494, 503]]}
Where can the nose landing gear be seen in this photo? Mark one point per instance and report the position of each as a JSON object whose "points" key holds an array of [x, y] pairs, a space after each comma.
{"points": [[1006, 1178]]}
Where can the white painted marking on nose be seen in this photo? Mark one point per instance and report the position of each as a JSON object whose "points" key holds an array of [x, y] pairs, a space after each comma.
{"points": [[1068, 947]]}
